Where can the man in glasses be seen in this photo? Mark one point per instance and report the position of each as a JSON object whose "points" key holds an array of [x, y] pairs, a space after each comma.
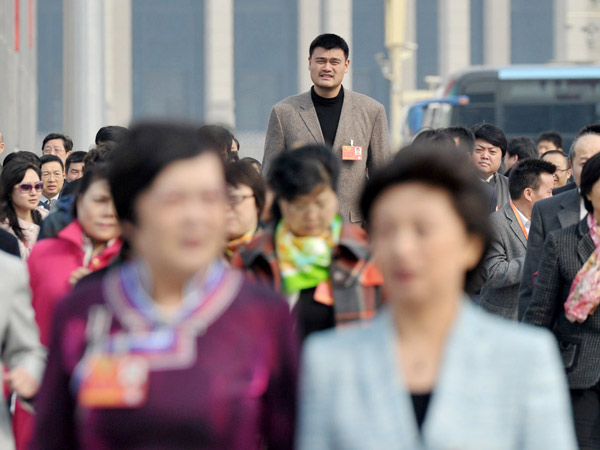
{"points": [[563, 170], [57, 145], [53, 178]]}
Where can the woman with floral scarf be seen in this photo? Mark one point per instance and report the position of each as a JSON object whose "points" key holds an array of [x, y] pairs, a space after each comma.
{"points": [[565, 297], [319, 263]]}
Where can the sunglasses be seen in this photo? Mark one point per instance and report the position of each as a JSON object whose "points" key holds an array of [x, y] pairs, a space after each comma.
{"points": [[25, 188]]}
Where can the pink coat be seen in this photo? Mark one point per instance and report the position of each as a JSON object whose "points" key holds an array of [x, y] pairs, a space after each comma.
{"points": [[51, 263]]}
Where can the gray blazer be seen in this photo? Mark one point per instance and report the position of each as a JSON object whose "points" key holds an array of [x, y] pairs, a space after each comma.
{"points": [[20, 340], [565, 252], [550, 214], [503, 264], [500, 184], [294, 122], [500, 386]]}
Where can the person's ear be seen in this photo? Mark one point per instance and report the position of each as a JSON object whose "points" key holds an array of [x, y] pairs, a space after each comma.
{"points": [[528, 194]]}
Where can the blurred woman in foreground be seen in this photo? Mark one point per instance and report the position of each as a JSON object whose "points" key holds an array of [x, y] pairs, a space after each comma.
{"points": [[170, 349], [433, 370]]}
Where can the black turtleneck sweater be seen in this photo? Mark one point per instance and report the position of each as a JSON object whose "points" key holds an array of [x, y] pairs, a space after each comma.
{"points": [[328, 112]]}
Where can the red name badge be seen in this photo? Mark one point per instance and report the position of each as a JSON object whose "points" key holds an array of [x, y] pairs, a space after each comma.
{"points": [[114, 381], [352, 153]]}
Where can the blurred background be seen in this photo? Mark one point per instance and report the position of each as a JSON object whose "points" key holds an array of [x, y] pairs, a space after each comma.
{"points": [[73, 66]]}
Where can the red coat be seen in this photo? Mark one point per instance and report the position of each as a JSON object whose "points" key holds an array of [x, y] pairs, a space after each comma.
{"points": [[51, 263]]}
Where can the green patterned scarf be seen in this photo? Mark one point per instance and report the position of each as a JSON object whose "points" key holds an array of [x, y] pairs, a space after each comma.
{"points": [[304, 261]]}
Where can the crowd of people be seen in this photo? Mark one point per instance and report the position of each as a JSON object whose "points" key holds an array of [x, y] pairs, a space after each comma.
{"points": [[160, 291]]}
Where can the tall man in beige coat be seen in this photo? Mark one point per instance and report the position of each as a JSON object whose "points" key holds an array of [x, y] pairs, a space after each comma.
{"points": [[354, 125]]}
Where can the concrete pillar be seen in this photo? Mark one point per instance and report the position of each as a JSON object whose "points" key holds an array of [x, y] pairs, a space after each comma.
{"points": [[337, 18], [83, 82], [309, 27], [118, 62], [18, 76], [409, 65], [218, 62], [454, 35], [496, 18]]}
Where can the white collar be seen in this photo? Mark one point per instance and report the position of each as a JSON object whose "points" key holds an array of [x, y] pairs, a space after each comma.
{"points": [[526, 222]]}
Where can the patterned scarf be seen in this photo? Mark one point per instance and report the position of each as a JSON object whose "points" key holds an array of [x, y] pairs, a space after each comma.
{"points": [[304, 261], [584, 295], [236, 244]]}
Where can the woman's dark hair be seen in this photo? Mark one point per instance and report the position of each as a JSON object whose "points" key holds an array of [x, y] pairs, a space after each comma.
{"points": [[12, 174], [298, 172], [444, 168], [220, 137], [23, 154], [589, 176], [144, 153], [111, 133], [96, 172], [255, 162], [244, 173]]}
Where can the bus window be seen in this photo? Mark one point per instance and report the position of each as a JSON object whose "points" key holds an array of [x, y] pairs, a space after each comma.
{"points": [[524, 119], [467, 116], [570, 118]]}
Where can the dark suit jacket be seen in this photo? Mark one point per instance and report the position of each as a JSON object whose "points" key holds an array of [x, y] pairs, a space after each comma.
{"points": [[567, 187], [551, 214], [565, 252], [9, 243], [294, 122], [503, 264]]}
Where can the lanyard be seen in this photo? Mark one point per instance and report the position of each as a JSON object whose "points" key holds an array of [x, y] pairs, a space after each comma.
{"points": [[518, 216]]}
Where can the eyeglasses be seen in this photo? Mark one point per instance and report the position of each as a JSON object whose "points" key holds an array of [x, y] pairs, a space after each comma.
{"points": [[25, 188], [235, 200]]}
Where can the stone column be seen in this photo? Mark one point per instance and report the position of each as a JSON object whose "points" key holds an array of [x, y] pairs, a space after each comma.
{"points": [[337, 18], [454, 35], [83, 82], [496, 17], [219, 63]]}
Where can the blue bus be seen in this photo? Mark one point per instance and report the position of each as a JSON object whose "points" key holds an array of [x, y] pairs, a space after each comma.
{"points": [[522, 100]]}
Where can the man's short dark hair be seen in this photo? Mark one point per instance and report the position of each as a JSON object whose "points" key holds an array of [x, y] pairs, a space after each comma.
{"points": [[592, 128], [466, 138], [557, 152], [67, 142], [551, 136], [491, 134], [111, 133], [51, 158], [329, 41], [75, 157], [438, 137], [523, 147], [143, 154], [526, 174], [244, 173]]}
